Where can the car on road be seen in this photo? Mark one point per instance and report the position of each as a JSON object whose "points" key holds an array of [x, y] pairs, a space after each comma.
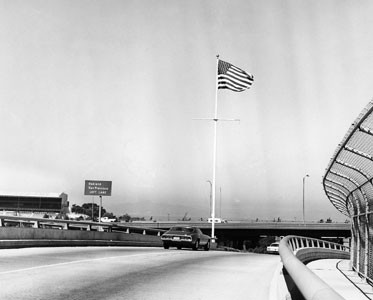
{"points": [[108, 220], [186, 237], [273, 248], [217, 220]]}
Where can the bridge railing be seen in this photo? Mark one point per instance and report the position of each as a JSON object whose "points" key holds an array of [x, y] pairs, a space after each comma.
{"points": [[295, 252]]}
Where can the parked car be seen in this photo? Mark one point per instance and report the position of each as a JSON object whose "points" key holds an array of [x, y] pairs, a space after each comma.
{"points": [[185, 237], [273, 248]]}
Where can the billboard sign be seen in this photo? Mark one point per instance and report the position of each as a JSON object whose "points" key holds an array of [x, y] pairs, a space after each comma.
{"points": [[97, 188]]}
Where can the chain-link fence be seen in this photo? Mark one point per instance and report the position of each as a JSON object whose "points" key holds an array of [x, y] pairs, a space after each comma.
{"points": [[349, 186]]}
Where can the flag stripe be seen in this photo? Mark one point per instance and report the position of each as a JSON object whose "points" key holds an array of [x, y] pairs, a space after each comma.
{"points": [[227, 85], [233, 78], [238, 84], [236, 80], [227, 80]]}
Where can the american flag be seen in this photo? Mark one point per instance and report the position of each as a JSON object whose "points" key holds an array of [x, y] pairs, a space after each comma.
{"points": [[233, 78]]}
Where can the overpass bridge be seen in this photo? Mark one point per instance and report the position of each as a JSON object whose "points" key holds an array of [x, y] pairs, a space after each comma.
{"points": [[232, 234], [235, 233]]}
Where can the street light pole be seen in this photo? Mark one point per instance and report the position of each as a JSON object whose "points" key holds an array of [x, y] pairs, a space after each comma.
{"points": [[210, 194], [304, 182]]}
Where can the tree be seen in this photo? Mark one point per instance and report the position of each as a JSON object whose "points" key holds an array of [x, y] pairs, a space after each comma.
{"points": [[77, 209], [125, 218]]}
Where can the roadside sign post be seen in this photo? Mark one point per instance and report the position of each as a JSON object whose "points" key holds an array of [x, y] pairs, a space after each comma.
{"points": [[97, 188]]}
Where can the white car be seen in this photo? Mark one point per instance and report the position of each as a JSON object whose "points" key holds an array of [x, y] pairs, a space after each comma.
{"points": [[217, 220], [273, 248], [107, 220]]}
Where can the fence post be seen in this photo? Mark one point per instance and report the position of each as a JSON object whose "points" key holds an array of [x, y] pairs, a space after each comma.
{"points": [[358, 238], [366, 252], [353, 232]]}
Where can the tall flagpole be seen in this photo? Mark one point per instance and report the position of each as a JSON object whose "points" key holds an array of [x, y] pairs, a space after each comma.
{"points": [[213, 184], [214, 155]]}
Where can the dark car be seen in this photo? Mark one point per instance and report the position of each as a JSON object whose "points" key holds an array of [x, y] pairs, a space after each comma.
{"points": [[185, 237]]}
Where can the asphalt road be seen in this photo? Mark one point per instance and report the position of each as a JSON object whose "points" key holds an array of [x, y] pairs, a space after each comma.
{"points": [[133, 273]]}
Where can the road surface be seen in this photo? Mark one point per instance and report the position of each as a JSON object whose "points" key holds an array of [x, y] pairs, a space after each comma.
{"points": [[133, 273]]}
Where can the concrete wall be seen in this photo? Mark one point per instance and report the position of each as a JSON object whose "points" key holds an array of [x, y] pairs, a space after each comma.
{"points": [[29, 237]]}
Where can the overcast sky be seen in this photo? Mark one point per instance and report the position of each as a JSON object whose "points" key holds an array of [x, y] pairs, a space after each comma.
{"points": [[107, 90]]}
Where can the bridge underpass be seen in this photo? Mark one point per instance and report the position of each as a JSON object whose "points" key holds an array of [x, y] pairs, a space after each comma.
{"points": [[238, 233]]}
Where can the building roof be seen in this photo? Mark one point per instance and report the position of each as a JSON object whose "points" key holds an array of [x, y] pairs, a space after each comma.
{"points": [[31, 194]]}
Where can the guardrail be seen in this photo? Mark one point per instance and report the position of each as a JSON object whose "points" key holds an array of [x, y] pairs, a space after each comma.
{"points": [[295, 251], [31, 222], [249, 225]]}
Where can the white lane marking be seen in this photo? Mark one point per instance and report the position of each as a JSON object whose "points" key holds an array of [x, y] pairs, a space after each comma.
{"points": [[79, 261]]}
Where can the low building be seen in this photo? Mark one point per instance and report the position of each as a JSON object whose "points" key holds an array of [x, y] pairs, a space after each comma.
{"points": [[34, 203]]}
